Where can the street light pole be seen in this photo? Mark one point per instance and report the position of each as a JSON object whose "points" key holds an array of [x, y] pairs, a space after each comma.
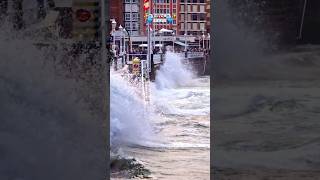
{"points": [[113, 24], [203, 36], [121, 38], [174, 40]]}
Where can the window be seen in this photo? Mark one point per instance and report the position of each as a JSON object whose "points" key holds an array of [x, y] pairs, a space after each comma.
{"points": [[182, 17], [182, 1], [194, 26], [202, 25], [189, 8], [195, 8], [202, 8], [189, 26], [168, 1], [202, 17], [174, 11], [189, 1], [182, 8], [201, 1], [127, 16], [134, 26], [174, 1], [135, 16], [168, 11], [194, 1], [127, 25], [189, 17], [194, 17], [128, 1]]}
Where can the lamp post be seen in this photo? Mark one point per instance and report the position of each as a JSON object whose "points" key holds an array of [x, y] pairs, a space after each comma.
{"points": [[203, 36], [121, 46], [113, 26], [208, 40], [124, 41], [174, 40]]}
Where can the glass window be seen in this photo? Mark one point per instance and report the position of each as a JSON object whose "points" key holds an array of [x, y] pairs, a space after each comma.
{"points": [[174, 11], [182, 1], [128, 1], [189, 1], [182, 8], [202, 25], [201, 1], [127, 16], [135, 16], [182, 17], [194, 26], [127, 25], [189, 26], [189, 8], [194, 17], [189, 17], [202, 17], [194, 1], [202, 8], [174, 1], [195, 8]]}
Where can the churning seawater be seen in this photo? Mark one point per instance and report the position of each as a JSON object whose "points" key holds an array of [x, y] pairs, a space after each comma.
{"points": [[172, 135]]}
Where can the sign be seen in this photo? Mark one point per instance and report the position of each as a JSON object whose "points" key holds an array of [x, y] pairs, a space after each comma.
{"points": [[83, 15]]}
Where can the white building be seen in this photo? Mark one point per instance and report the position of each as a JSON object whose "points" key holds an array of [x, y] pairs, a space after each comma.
{"points": [[132, 17]]}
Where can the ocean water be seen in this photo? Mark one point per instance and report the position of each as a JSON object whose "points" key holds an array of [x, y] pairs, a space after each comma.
{"points": [[170, 136]]}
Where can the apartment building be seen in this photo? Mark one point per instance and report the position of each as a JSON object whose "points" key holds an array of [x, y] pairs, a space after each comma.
{"points": [[132, 16], [193, 16]]}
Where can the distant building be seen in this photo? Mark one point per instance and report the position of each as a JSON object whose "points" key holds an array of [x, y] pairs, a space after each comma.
{"points": [[132, 17], [116, 8], [192, 17], [160, 9]]}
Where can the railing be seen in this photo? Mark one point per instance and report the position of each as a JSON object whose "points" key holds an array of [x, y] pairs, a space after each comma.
{"points": [[192, 55]]}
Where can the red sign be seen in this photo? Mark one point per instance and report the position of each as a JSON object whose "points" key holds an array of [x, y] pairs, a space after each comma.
{"points": [[83, 15]]}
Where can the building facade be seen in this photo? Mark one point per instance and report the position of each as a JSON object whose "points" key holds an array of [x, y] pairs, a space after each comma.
{"points": [[116, 10], [160, 10], [189, 16], [132, 16], [193, 16]]}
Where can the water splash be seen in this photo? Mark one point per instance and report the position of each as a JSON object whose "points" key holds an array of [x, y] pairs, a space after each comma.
{"points": [[173, 73], [46, 114], [130, 120]]}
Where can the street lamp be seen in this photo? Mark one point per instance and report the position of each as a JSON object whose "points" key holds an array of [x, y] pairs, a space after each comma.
{"points": [[174, 40], [208, 40], [121, 46], [113, 26], [124, 41], [160, 47], [203, 36]]}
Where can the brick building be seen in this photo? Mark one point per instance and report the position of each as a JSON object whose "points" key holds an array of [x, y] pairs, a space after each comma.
{"points": [[116, 10]]}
